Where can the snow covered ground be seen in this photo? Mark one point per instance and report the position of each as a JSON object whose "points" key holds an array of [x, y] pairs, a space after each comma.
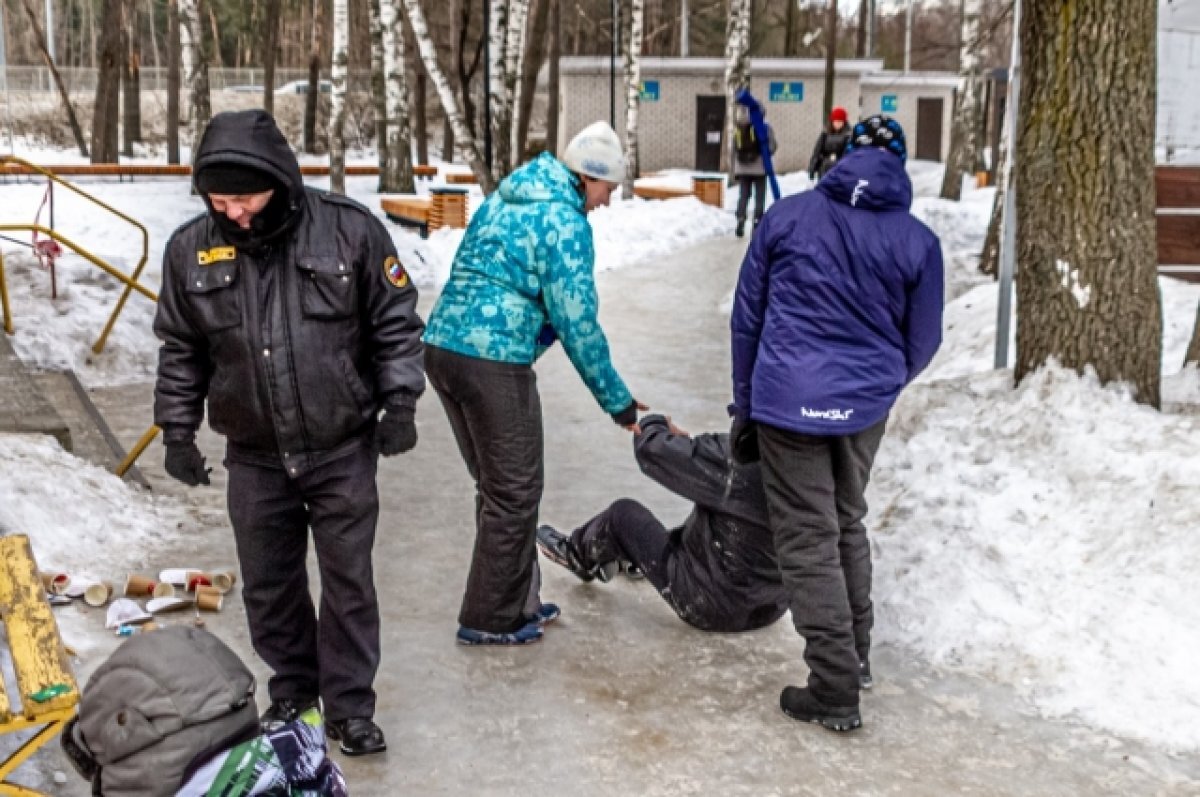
{"points": [[1041, 537]]}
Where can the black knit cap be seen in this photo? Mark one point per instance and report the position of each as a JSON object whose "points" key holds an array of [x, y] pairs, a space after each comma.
{"points": [[235, 180]]}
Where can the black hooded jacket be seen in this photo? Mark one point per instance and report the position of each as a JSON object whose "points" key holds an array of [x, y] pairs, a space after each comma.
{"points": [[725, 550], [828, 151], [297, 335]]}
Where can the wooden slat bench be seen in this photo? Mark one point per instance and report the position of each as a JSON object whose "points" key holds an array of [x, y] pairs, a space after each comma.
{"points": [[408, 211], [1178, 200], [461, 178], [445, 207], [48, 693], [660, 192], [427, 172]]}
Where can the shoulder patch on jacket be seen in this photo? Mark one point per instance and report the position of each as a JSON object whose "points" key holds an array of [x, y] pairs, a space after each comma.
{"points": [[395, 273]]}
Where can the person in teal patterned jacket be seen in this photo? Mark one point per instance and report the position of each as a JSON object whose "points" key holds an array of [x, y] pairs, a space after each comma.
{"points": [[521, 280]]}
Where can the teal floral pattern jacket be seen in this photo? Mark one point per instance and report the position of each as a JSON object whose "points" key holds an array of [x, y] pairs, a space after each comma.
{"points": [[522, 277]]}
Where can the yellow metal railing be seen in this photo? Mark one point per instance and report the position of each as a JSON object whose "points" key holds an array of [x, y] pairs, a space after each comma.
{"points": [[131, 282]]}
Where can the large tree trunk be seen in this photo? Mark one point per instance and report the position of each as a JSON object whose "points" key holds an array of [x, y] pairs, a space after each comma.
{"points": [[633, 91], [174, 57], [420, 132], [555, 54], [340, 76], [379, 87], [270, 51], [397, 176], [131, 82], [968, 110], [1087, 262], [737, 68], [64, 95], [466, 141], [108, 85], [860, 37], [312, 98], [535, 56], [831, 31], [195, 68]]}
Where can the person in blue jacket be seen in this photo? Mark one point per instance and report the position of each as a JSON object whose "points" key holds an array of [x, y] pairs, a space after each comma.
{"points": [[838, 307], [521, 279]]}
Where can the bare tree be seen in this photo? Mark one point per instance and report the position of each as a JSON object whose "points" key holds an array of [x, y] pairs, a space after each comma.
{"points": [[535, 56], [379, 88], [340, 77], [316, 36], [63, 94], [737, 66], [466, 72], [831, 36], [131, 80], [270, 52], [968, 109], [108, 85], [397, 176], [1086, 251], [465, 140], [174, 56], [554, 87], [633, 91], [420, 132]]}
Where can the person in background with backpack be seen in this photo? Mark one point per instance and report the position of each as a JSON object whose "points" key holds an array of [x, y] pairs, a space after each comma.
{"points": [[831, 145], [748, 167]]}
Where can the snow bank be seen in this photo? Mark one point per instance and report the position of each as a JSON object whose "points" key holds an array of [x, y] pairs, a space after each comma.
{"points": [[1044, 537]]}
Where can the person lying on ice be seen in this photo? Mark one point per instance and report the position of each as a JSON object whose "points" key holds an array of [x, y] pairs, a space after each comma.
{"points": [[718, 570]]}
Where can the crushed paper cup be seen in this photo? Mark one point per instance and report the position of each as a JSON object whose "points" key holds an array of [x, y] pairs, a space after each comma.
{"points": [[98, 593], [55, 583], [176, 575], [209, 602], [124, 611], [223, 580], [167, 604], [139, 586], [164, 590]]}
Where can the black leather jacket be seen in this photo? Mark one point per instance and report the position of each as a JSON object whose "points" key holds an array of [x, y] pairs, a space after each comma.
{"points": [[297, 343], [829, 150]]}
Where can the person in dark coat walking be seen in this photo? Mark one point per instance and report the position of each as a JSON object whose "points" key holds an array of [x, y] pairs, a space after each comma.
{"points": [[749, 168], [838, 307], [831, 145], [718, 570], [287, 309]]}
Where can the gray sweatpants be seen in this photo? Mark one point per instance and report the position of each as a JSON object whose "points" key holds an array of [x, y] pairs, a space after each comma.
{"points": [[815, 502]]}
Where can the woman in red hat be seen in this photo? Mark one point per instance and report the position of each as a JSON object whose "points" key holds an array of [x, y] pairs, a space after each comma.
{"points": [[831, 144]]}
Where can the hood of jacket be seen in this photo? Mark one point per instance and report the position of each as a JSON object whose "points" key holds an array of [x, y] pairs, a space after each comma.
{"points": [[544, 179], [869, 178]]}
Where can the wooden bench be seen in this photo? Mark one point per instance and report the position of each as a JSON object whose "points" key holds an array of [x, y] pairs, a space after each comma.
{"points": [[1178, 220], [48, 693], [461, 178], [660, 192], [408, 211], [427, 172], [445, 207], [709, 190]]}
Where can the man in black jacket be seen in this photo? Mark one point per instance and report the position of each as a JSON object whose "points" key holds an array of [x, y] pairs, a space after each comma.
{"points": [[287, 309], [718, 570]]}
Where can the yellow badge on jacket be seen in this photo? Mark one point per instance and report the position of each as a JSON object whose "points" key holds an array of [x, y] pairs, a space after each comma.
{"points": [[216, 255], [395, 272]]}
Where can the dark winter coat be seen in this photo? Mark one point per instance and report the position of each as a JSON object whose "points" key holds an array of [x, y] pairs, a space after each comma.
{"points": [[828, 151], [839, 302], [294, 345], [725, 549]]}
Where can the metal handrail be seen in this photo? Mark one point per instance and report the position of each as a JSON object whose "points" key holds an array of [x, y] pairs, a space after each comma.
{"points": [[131, 283]]}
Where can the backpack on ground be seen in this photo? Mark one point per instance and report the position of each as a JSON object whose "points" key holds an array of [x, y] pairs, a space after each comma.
{"points": [[164, 703]]}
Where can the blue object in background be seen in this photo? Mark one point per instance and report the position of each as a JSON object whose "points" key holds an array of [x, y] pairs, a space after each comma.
{"points": [[792, 91], [744, 97], [650, 91], [889, 103]]}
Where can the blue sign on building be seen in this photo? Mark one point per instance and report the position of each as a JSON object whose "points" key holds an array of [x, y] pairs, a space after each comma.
{"points": [[649, 91], [889, 103], [787, 92]]}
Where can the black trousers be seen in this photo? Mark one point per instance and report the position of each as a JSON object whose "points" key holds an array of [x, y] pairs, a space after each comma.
{"points": [[815, 500], [759, 186], [333, 654], [496, 415]]}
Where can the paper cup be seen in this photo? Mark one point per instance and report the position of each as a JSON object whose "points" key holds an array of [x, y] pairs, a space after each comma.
{"points": [[98, 594], [197, 578], [56, 583], [209, 602], [224, 581], [163, 590], [139, 586], [207, 589]]}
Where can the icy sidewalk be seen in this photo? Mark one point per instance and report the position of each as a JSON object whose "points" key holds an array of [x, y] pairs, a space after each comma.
{"points": [[622, 698]]}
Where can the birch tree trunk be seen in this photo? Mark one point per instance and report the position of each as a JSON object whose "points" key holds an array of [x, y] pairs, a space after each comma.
{"points": [[737, 67], [514, 62], [337, 113], [397, 175], [465, 141], [1086, 250], [964, 133], [379, 86], [498, 12], [633, 91]]}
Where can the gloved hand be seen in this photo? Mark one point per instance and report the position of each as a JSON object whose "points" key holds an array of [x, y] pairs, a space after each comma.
{"points": [[396, 431], [628, 417], [743, 440], [185, 463]]}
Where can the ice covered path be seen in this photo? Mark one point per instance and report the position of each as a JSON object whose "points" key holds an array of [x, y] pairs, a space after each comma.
{"points": [[621, 697]]}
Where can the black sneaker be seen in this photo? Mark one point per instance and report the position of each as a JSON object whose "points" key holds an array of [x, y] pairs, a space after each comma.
{"points": [[357, 736], [799, 704], [741, 228], [558, 549], [865, 680], [281, 712], [632, 571]]}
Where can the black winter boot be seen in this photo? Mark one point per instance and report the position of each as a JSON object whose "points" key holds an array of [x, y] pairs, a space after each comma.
{"points": [[741, 228], [799, 704], [281, 712], [358, 736]]}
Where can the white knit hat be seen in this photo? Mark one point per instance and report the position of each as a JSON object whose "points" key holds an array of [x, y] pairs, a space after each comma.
{"points": [[596, 152]]}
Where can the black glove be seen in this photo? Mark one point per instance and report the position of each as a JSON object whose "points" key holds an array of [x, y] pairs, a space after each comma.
{"points": [[743, 440], [185, 463], [396, 431], [627, 416]]}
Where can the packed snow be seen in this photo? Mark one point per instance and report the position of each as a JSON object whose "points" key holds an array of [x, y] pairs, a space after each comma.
{"points": [[1037, 536]]}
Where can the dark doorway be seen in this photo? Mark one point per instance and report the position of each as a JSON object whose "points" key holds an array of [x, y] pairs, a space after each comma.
{"points": [[929, 129], [710, 127]]}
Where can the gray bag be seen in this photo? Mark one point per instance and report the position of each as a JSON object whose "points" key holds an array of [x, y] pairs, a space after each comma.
{"points": [[163, 703]]}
